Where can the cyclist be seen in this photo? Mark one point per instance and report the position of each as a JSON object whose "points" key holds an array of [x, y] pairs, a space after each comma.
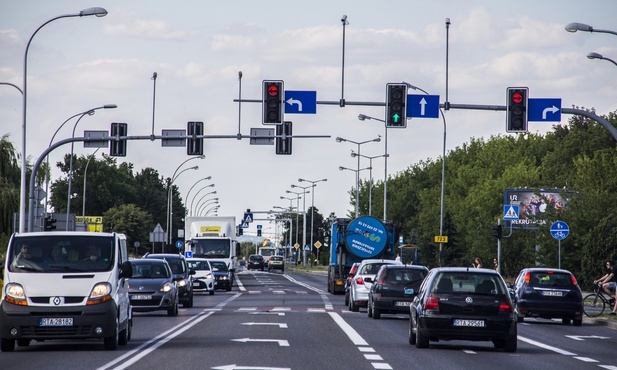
{"points": [[609, 280]]}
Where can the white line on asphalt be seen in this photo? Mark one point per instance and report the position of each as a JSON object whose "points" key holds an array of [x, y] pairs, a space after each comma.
{"points": [[347, 329], [546, 346]]}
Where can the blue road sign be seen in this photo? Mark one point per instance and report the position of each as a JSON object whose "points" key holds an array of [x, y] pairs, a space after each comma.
{"points": [[248, 218], [258, 227], [179, 244], [188, 254], [423, 106], [510, 212], [544, 110], [559, 230], [300, 102]]}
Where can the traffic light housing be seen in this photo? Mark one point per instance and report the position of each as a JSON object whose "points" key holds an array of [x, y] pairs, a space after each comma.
{"points": [[396, 105], [49, 223], [283, 146], [497, 231], [516, 109], [240, 230], [272, 102], [194, 145], [118, 147], [258, 232]]}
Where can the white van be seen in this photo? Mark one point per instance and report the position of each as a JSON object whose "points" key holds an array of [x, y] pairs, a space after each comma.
{"points": [[66, 285]]}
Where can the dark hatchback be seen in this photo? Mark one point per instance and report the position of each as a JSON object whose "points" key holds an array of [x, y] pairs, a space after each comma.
{"points": [[548, 293], [459, 303], [222, 275], [153, 287], [394, 289], [256, 262], [182, 274]]}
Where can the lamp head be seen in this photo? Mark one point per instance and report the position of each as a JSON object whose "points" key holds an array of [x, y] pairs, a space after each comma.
{"points": [[293, 186], [573, 27], [594, 55], [99, 12], [110, 106], [208, 178], [362, 117], [300, 180], [340, 139], [377, 140], [341, 168]]}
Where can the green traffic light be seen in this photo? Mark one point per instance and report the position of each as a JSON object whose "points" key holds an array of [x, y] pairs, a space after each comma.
{"points": [[396, 117]]}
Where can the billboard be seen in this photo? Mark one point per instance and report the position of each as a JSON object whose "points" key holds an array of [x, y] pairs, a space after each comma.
{"points": [[533, 205]]}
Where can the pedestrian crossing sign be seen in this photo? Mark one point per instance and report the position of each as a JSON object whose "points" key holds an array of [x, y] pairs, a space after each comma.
{"points": [[510, 212]]}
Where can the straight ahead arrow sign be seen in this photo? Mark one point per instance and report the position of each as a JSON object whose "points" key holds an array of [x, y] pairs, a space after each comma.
{"points": [[280, 325], [281, 342]]}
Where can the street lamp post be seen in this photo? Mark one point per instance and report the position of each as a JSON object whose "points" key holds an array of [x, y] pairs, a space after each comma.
{"points": [[208, 202], [68, 201], [339, 140], [99, 12], [200, 199], [304, 192], [297, 208], [593, 55], [341, 168], [169, 187], [212, 209], [313, 184], [189, 192], [573, 27], [370, 186], [363, 117], [83, 200]]}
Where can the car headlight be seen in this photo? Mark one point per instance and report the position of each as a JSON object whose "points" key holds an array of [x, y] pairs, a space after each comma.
{"points": [[99, 294], [182, 283], [166, 287], [224, 277], [15, 294], [208, 276]]}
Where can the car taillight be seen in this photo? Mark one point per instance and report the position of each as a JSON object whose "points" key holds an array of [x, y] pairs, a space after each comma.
{"points": [[573, 280], [432, 303], [527, 277], [505, 306], [360, 281]]}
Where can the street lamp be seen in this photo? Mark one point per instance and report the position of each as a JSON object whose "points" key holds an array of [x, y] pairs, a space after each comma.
{"points": [[169, 188], [68, 201], [341, 168], [573, 27], [339, 140], [313, 183], [297, 208], [206, 203], [83, 200], [195, 196], [363, 117], [186, 199], [443, 169], [99, 12], [212, 209], [370, 186], [593, 55], [199, 204]]}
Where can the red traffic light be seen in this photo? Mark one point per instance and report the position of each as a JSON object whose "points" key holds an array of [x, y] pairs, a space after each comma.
{"points": [[273, 90], [517, 98]]}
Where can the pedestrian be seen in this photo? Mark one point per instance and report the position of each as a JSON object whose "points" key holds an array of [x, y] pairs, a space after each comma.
{"points": [[398, 258], [495, 264], [477, 263]]}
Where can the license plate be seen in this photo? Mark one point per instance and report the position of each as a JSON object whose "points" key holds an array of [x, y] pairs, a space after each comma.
{"points": [[402, 304], [552, 293], [56, 321], [196, 285], [140, 297], [468, 323]]}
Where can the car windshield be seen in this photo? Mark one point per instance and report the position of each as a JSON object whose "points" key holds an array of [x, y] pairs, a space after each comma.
{"points": [[219, 265], [549, 278], [468, 282], [370, 269], [199, 265], [143, 270], [61, 253]]}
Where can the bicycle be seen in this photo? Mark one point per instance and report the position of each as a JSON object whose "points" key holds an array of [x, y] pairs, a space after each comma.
{"points": [[595, 303]]}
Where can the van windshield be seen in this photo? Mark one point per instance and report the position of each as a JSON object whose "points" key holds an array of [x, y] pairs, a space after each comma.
{"points": [[61, 253]]}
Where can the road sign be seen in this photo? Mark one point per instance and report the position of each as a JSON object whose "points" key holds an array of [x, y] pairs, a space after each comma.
{"points": [[188, 254], [441, 239], [179, 244], [510, 212], [258, 227], [423, 106], [560, 230], [296, 245], [300, 102], [245, 225], [544, 110], [248, 218], [317, 244]]}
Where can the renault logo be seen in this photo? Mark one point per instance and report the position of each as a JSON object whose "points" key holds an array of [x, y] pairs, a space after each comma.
{"points": [[56, 301]]}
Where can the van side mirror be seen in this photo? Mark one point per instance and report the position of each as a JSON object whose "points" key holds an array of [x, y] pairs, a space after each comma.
{"points": [[126, 270]]}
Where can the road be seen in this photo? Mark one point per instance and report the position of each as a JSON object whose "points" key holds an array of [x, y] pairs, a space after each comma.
{"points": [[289, 321]]}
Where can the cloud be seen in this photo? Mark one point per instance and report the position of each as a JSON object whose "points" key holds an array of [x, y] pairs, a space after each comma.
{"points": [[148, 29]]}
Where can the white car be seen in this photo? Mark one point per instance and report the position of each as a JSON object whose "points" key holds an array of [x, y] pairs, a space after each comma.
{"points": [[362, 282], [203, 280]]}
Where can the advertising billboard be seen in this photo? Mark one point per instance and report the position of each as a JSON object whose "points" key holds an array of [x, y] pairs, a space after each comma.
{"points": [[533, 205]]}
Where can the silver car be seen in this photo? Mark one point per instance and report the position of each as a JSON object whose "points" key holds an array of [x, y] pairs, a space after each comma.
{"points": [[362, 282], [203, 281]]}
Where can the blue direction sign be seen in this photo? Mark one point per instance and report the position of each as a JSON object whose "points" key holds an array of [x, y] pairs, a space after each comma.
{"points": [[188, 254], [179, 244], [544, 110], [559, 230], [423, 106], [300, 102]]}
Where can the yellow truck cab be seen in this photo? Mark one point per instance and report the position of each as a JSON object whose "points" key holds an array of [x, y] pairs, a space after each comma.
{"points": [[66, 285]]}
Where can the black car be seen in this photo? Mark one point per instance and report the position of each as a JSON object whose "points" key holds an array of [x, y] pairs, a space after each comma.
{"points": [[394, 289], [153, 287], [182, 274], [548, 293], [222, 275], [460, 303], [256, 262]]}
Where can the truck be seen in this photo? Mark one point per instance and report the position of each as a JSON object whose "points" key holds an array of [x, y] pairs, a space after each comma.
{"points": [[354, 241], [212, 238]]}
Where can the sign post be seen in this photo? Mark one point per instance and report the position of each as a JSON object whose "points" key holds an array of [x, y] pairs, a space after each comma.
{"points": [[560, 231]]}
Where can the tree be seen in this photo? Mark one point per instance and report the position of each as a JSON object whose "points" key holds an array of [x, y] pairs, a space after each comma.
{"points": [[131, 221]]}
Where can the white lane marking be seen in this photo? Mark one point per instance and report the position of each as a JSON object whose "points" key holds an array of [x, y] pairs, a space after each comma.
{"points": [[347, 329], [546, 346], [378, 365], [586, 359], [281, 342], [469, 352], [366, 349], [373, 357]]}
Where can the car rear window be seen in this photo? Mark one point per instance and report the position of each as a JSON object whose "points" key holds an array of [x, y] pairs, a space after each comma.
{"points": [[405, 276], [370, 268], [549, 278], [468, 283]]}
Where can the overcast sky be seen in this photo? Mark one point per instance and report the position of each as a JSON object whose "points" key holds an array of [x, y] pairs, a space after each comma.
{"points": [[197, 49]]}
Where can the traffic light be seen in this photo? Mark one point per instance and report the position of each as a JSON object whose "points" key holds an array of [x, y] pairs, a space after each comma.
{"points": [[516, 109], [118, 147], [283, 146], [272, 102], [497, 231], [240, 231], [49, 223], [258, 232], [194, 145], [396, 105]]}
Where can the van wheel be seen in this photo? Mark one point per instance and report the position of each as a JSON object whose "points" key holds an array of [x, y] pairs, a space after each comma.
{"points": [[129, 328], [123, 336], [7, 345], [111, 343]]}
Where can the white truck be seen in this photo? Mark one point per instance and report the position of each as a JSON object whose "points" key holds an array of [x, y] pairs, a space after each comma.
{"points": [[212, 238]]}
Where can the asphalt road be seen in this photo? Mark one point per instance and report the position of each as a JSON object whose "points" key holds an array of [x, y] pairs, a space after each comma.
{"points": [[289, 321]]}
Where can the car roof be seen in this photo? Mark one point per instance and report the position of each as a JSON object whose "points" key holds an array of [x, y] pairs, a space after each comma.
{"points": [[402, 267], [375, 260], [541, 269], [465, 269], [149, 261], [163, 255], [197, 259]]}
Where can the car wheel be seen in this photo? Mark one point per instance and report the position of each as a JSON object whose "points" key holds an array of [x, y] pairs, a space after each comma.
{"points": [[189, 304], [577, 322], [353, 307], [111, 343], [123, 336], [174, 310], [282, 271], [510, 344], [376, 313], [499, 344], [7, 345], [421, 340], [565, 321], [211, 292], [346, 299], [369, 310], [412, 336]]}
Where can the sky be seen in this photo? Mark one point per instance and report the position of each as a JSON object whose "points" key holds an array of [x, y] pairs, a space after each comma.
{"points": [[198, 47]]}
